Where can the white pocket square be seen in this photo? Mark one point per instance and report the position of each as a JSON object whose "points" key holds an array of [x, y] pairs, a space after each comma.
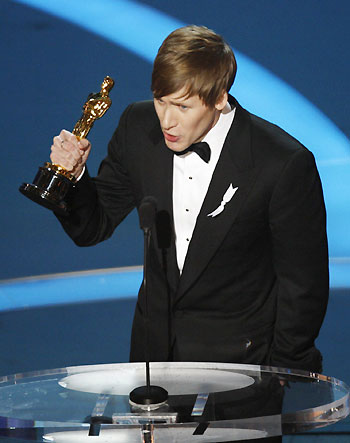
{"points": [[225, 199]]}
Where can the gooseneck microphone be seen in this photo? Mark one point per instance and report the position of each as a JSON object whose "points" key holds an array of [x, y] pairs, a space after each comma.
{"points": [[148, 396]]}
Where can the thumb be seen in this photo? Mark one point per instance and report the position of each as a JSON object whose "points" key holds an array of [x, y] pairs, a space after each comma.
{"points": [[84, 144]]}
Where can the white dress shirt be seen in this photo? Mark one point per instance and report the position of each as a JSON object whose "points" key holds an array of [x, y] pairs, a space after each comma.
{"points": [[191, 179]]}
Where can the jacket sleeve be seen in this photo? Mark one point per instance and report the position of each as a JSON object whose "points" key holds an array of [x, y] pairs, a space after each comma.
{"points": [[300, 257], [98, 205]]}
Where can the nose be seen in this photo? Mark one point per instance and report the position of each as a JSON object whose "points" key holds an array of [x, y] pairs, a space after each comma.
{"points": [[169, 118]]}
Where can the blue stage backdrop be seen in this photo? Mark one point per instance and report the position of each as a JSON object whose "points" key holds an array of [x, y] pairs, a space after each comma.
{"points": [[292, 56]]}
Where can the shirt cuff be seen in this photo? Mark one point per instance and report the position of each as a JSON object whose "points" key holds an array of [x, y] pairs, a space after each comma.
{"points": [[81, 174]]}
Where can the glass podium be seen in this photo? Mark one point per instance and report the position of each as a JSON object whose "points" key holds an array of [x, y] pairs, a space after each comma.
{"points": [[208, 402]]}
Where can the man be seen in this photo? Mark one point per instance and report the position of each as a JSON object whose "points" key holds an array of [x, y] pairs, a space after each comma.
{"points": [[238, 258]]}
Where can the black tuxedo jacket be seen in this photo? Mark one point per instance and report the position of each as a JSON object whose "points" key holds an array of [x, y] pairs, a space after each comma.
{"points": [[254, 286]]}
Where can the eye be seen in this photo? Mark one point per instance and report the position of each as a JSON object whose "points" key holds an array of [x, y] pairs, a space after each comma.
{"points": [[183, 107]]}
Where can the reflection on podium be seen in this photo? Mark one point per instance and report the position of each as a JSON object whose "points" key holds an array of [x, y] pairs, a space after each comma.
{"points": [[207, 402]]}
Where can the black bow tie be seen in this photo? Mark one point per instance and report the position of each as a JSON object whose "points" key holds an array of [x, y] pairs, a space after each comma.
{"points": [[201, 148]]}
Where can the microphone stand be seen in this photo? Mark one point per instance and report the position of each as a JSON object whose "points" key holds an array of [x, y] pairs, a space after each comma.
{"points": [[147, 238], [148, 396]]}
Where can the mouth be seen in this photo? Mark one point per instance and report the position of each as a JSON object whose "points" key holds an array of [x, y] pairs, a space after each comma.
{"points": [[171, 138]]}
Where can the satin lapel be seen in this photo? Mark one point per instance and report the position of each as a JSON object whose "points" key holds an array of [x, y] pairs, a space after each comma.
{"points": [[159, 183], [235, 166], [158, 164]]}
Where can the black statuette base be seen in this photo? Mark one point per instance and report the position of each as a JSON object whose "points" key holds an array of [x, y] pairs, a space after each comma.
{"points": [[49, 189]]}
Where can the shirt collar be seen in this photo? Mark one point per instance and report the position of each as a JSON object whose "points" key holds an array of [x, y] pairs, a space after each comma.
{"points": [[217, 134]]}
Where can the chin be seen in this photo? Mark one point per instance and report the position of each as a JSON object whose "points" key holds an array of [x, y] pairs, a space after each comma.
{"points": [[174, 146]]}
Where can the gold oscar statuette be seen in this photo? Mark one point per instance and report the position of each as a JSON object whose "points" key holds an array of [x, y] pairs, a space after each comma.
{"points": [[52, 182]]}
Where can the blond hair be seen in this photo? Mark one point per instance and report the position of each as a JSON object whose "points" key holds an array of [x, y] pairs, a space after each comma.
{"points": [[196, 58]]}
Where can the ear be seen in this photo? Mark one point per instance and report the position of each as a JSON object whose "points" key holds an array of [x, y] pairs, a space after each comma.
{"points": [[221, 103]]}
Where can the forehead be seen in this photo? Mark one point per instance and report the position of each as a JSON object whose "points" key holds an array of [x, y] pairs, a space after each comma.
{"points": [[182, 96]]}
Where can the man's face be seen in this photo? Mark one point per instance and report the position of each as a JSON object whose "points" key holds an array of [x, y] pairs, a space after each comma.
{"points": [[184, 120]]}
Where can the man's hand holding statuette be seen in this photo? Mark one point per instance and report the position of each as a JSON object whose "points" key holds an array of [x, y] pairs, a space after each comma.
{"points": [[69, 152]]}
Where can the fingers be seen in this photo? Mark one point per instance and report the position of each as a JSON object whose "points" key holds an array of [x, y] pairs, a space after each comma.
{"points": [[84, 144], [65, 153], [67, 136], [70, 153]]}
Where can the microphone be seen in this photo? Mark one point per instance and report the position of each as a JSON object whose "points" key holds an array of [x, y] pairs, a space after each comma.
{"points": [[147, 212]]}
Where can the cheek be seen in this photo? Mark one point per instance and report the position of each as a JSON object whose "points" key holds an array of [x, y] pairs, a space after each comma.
{"points": [[159, 110], [203, 123], [158, 113], [192, 123]]}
